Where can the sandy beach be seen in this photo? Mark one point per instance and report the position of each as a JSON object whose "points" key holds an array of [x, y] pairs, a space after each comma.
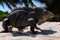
{"points": [[51, 31]]}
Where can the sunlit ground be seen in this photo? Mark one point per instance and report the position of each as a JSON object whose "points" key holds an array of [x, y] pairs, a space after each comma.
{"points": [[51, 31]]}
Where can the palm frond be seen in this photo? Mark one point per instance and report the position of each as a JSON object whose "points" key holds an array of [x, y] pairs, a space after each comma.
{"points": [[8, 5]]}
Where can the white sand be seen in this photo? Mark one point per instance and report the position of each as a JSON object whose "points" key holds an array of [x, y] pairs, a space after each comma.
{"points": [[51, 31]]}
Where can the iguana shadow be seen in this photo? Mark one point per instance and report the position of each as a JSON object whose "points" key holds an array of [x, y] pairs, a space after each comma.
{"points": [[44, 32]]}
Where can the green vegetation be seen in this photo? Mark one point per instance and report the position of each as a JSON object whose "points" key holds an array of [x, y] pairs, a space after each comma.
{"points": [[51, 5], [54, 19], [3, 15]]}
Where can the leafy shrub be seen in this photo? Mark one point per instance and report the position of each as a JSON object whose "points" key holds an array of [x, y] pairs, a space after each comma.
{"points": [[55, 18], [3, 15]]}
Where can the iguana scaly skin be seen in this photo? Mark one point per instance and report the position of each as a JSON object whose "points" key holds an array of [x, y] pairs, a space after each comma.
{"points": [[24, 17]]}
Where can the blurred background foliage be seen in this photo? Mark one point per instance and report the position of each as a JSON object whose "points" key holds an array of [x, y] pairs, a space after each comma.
{"points": [[51, 5], [3, 15], [54, 19]]}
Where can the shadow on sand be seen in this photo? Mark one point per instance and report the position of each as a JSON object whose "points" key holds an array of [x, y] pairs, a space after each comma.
{"points": [[47, 32], [44, 32]]}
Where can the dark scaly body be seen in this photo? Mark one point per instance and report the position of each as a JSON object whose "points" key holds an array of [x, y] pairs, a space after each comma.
{"points": [[21, 19]]}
